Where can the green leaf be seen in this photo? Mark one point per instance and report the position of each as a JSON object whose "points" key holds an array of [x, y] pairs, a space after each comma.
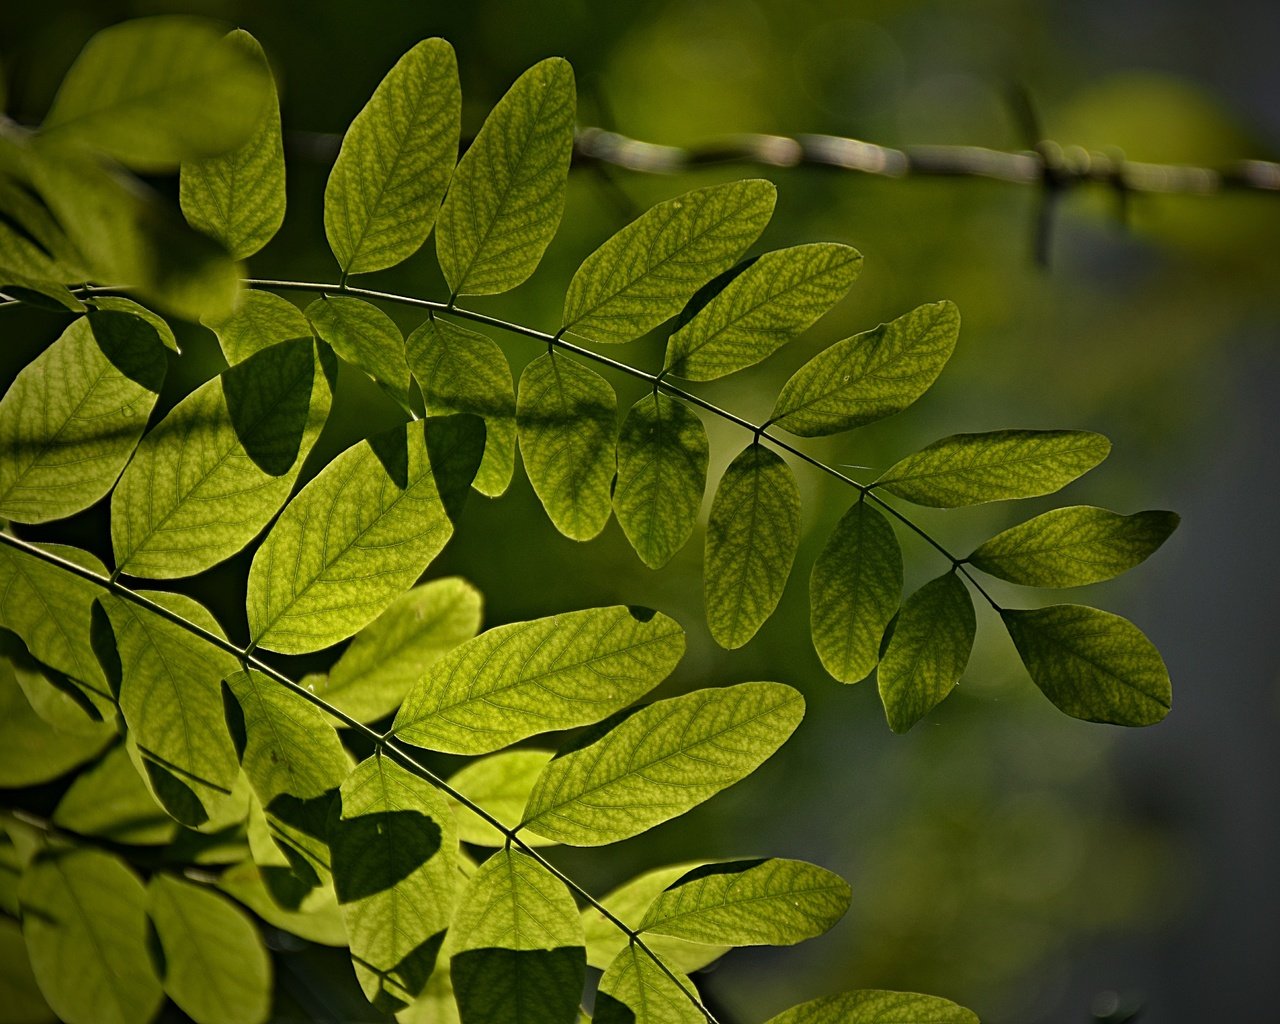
{"points": [[71, 419], [395, 163], [854, 591], [54, 697], [662, 472], [635, 990], [752, 536], [392, 653], [628, 902], [969, 469], [1071, 547], [869, 376], [1092, 664], [156, 91], [42, 294], [394, 843], [217, 468], [928, 651], [261, 320], [37, 253], [645, 273], [529, 677], [501, 784], [19, 993], [354, 539], [877, 1006], [215, 966], [316, 918], [777, 298], [661, 761], [85, 921], [367, 338], [121, 304], [771, 902], [518, 954], [567, 417], [507, 195], [238, 196], [111, 800], [459, 371], [31, 750]]}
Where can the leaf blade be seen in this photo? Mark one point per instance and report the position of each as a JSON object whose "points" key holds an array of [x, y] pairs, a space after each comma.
{"points": [[261, 320], [367, 338], [635, 990], [877, 1006]]}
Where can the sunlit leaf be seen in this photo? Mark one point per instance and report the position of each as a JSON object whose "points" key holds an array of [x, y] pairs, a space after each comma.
{"points": [[366, 338], [768, 902], [500, 783], [567, 417], [528, 677], [661, 761], [1092, 664], [393, 841], [775, 299], [261, 320], [662, 472], [870, 375], [752, 536], [215, 966], [213, 472], [969, 469], [85, 922], [19, 992], [111, 800], [316, 919], [395, 163], [928, 651], [122, 304], [877, 1006], [71, 419], [635, 990], [854, 590], [55, 698], [1070, 547], [507, 195], [458, 370], [31, 750], [645, 273], [518, 949]]}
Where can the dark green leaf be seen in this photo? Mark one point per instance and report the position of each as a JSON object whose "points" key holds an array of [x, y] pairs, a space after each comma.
{"points": [[112, 801], [500, 783], [662, 472], [366, 338], [635, 990], [36, 252], [507, 195], [19, 993], [121, 304], [661, 761], [1092, 664], [969, 469], [752, 536], [645, 273], [928, 651], [54, 697], [1070, 547], [870, 375], [31, 750], [567, 417], [877, 1006], [774, 300], [528, 677], [261, 320]]}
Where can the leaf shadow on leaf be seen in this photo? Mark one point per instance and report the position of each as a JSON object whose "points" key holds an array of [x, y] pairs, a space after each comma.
{"points": [[15, 650], [455, 447], [409, 976], [132, 346], [703, 296], [102, 641], [373, 852], [728, 867], [176, 796], [308, 818], [268, 411], [518, 986]]}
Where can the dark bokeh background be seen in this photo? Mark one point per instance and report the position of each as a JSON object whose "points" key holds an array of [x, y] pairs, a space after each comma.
{"points": [[1033, 867]]}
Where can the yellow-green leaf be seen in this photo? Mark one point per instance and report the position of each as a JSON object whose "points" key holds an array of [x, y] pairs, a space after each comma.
{"points": [[877, 1006], [635, 990], [366, 338], [261, 320]]}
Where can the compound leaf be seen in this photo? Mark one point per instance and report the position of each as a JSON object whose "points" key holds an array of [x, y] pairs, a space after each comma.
{"points": [[395, 163], [752, 536], [877, 1006], [507, 196], [261, 320], [1074, 546], [238, 196], [646, 273], [928, 651], [71, 419], [661, 761], [635, 990], [366, 338], [500, 783], [567, 418], [662, 472], [969, 469], [528, 677], [869, 376], [775, 299], [1092, 664]]}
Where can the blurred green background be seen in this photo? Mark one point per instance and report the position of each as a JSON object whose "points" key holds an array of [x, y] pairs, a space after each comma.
{"points": [[1038, 869]]}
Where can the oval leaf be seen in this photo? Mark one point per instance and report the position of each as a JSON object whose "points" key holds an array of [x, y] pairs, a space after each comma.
{"points": [[646, 273], [635, 990], [366, 338], [928, 651], [662, 760], [507, 196], [120, 304], [567, 417], [752, 536], [396, 159], [31, 750], [877, 1006], [501, 784], [969, 469], [111, 800], [662, 472], [261, 320], [775, 299], [869, 376], [316, 918], [528, 677], [1071, 547]]}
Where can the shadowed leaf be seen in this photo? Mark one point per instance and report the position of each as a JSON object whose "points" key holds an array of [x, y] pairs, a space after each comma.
{"points": [[261, 320], [366, 338], [31, 750], [112, 801], [635, 990]]}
